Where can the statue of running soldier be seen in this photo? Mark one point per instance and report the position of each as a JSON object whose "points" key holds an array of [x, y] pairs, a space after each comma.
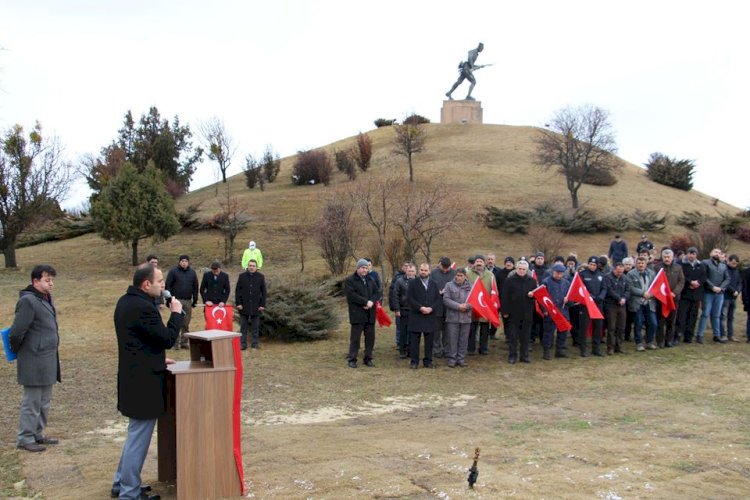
{"points": [[466, 70]]}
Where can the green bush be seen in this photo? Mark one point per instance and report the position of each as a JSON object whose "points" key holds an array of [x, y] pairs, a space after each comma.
{"points": [[691, 219], [312, 167], [671, 172], [415, 119], [600, 177], [382, 122], [648, 221], [508, 220], [299, 313]]}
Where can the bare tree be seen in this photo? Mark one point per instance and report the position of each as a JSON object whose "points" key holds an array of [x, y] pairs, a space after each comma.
{"points": [[336, 234], [375, 199], [410, 139], [33, 180], [578, 141], [218, 143], [231, 220]]}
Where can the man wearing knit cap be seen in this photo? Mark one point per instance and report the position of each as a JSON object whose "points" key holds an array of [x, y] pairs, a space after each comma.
{"points": [[182, 283], [361, 295]]}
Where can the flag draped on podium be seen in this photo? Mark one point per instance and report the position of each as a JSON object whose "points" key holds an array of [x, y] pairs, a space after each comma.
{"points": [[219, 318], [236, 408], [662, 292]]}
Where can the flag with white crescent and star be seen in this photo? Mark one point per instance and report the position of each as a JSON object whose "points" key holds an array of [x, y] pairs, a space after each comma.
{"points": [[579, 294], [662, 292], [543, 297], [220, 318], [481, 303]]}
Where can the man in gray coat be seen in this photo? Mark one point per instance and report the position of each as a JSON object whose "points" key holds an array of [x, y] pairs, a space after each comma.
{"points": [[34, 337]]}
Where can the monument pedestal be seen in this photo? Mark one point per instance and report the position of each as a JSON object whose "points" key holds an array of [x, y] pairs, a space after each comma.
{"points": [[461, 112]]}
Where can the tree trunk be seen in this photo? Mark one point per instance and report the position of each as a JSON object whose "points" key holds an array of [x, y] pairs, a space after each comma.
{"points": [[301, 255], [574, 198], [9, 251], [411, 170], [134, 246]]}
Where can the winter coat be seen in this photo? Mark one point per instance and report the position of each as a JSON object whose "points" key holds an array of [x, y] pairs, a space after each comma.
{"points": [[716, 275], [183, 284], [250, 292], [402, 288], [618, 250], [142, 338], [393, 304], [419, 296], [675, 277], [487, 279], [360, 291], [735, 282], [214, 288], [454, 295], [441, 279], [594, 282], [558, 289], [693, 272], [515, 301], [34, 337], [638, 288]]}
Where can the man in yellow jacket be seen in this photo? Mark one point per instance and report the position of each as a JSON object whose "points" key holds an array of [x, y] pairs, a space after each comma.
{"points": [[252, 252]]}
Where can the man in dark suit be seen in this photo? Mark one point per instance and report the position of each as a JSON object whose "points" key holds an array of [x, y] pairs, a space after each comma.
{"points": [[142, 338], [361, 294], [215, 286], [517, 307], [425, 303], [250, 300]]}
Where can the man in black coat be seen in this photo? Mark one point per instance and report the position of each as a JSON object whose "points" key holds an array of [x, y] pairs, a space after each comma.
{"points": [[141, 371], [182, 283], [215, 286], [690, 298], [250, 300], [517, 307], [361, 294], [593, 280], [425, 304]]}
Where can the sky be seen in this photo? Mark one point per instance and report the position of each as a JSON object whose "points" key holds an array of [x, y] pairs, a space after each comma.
{"points": [[674, 75]]}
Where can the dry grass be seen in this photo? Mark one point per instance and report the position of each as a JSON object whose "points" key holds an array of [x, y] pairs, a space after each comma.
{"points": [[662, 424]]}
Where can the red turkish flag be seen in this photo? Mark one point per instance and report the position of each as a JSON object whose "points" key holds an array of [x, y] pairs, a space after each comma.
{"points": [[536, 304], [494, 296], [663, 293], [480, 305], [219, 318], [381, 316], [542, 297], [579, 294]]}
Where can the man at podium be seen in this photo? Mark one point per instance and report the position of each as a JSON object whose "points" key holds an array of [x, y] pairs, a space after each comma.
{"points": [[142, 338]]}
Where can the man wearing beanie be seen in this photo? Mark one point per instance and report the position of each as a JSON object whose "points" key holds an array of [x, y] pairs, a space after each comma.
{"points": [[182, 283], [361, 295]]}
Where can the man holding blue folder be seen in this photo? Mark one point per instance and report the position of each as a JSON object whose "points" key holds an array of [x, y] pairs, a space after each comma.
{"points": [[35, 339]]}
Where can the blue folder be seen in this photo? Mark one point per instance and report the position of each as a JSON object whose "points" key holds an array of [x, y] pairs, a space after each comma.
{"points": [[9, 355]]}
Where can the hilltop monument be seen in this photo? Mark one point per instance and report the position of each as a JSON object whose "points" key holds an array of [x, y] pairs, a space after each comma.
{"points": [[468, 110]]}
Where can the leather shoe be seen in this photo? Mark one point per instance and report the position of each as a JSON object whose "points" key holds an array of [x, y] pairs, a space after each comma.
{"points": [[370, 363], [47, 440], [115, 492], [414, 366], [32, 447], [352, 364]]}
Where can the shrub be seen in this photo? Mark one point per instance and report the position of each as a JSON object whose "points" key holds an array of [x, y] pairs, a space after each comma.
{"points": [[743, 234], [545, 239], [345, 163], [691, 219], [415, 119], [253, 173], [600, 177], [336, 235], [312, 167], [187, 216], [508, 220], [711, 236], [671, 172], [382, 122], [363, 152], [647, 221], [270, 164], [681, 242], [730, 223], [298, 313]]}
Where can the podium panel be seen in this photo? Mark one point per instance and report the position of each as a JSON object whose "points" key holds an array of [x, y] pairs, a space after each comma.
{"points": [[195, 437]]}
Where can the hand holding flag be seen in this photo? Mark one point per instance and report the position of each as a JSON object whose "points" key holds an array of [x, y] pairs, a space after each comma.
{"points": [[543, 297], [662, 292], [579, 294], [478, 298]]}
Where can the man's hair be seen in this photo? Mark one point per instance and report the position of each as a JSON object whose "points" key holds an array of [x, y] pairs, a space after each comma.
{"points": [[40, 269], [252, 260], [667, 251], [151, 257], [142, 273], [618, 264], [641, 259], [628, 260], [734, 258], [522, 263], [461, 270]]}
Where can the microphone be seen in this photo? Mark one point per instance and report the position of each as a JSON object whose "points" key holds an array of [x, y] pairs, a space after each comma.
{"points": [[167, 296]]}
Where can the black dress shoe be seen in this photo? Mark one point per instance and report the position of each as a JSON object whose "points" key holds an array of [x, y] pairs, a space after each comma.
{"points": [[413, 365], [525, 360], [428, 365], [47, 440], [115, 492], [512, 360], [352, 364], [369, 363], [32, 447]]}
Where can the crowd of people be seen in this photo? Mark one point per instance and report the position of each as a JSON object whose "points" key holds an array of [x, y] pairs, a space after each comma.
{"points": [[431, 306]]}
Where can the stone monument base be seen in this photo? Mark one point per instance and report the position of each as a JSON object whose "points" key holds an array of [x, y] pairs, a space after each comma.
{"points": [[461, 112]]}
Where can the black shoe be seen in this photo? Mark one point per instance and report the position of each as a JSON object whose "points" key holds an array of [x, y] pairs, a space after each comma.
{"points": [[254, 346], [413, 365], [688, 341], [485, 353], [547, 354], [369, 363], [525, 360], [717, 340], [428, 365], [584, 354], [47, 440], [403, 355], [471, 353], [512, 360], [115, 492], [32, 447], [699, 340], [561, 354], [353, 364], [597, 353], [243, 347]]}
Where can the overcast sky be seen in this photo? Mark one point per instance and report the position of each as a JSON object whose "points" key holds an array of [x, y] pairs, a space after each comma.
{"points": [[300, 74]]}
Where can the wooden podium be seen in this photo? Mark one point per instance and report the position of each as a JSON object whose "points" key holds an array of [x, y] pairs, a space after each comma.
{"points": [[195, 439]]}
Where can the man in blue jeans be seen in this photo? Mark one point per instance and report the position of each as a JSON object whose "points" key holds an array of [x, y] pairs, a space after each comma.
{"points": [[716, 283], [642, 303]]}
